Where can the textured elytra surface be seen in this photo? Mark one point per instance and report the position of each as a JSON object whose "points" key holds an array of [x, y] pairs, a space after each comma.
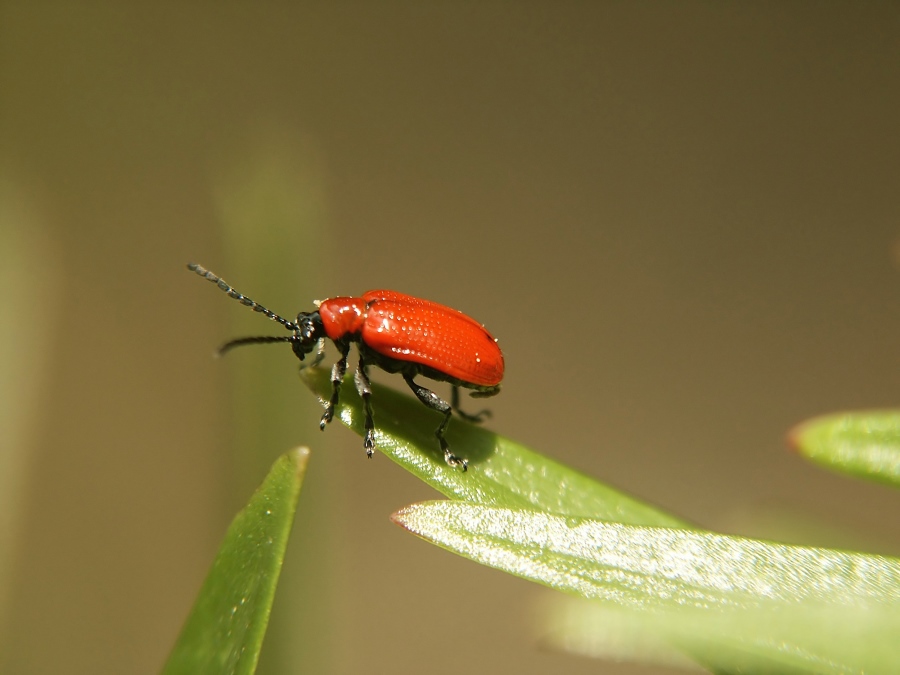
{"points": [[411, 329]]}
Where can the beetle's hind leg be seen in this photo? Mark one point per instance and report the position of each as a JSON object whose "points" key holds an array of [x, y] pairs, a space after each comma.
{"points": [[476, 418], [435, 402], [364, 387]]}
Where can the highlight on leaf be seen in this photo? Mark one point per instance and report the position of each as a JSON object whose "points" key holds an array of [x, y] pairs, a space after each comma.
{"points": [[722, 600]]}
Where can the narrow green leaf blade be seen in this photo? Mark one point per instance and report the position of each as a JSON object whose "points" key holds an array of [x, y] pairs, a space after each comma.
{"points": [[643, 566], [728, 602], [224, 631], [772, 638], [864, 444], [600, 631], [501, 472]]}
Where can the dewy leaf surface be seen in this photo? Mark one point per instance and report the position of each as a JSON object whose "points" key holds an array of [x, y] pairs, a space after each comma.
{"points": [[727, 601]]}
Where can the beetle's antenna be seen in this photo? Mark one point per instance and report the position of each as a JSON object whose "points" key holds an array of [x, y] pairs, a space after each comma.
{"points": [[264, 339], [243, 299]]}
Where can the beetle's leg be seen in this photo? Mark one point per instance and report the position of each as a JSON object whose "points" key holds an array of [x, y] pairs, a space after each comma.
{"points": [[486, 393], [337, 378], [364, 387], [320, 354], [435, 402], [476, 418], [317, 359]]}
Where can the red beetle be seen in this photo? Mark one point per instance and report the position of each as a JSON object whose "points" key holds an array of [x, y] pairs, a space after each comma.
{"points": [[398, 333]]}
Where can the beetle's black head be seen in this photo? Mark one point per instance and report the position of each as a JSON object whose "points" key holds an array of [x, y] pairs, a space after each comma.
{"points": [[306, 331], [307, 334]]}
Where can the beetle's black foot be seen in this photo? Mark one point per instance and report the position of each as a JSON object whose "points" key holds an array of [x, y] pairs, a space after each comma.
{"points": [[370, 443], [455, 461], [326, 417], [449, 457]]}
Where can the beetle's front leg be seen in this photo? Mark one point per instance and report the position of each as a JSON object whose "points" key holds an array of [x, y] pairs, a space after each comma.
{"points": [[320, 354], [337, 378]]}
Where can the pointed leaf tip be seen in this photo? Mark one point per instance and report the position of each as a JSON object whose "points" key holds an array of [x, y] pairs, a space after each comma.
{"points": [[225, 629], [865, 444]]}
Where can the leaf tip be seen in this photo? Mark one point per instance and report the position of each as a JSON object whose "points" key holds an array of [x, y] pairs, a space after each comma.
{"points": [[409, 517], [795, 436], [800, 437], [300, 454], [399, 517], [300, 458]]}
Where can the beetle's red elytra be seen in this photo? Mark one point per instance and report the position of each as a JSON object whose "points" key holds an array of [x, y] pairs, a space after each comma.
{"points": [[399, 334]]}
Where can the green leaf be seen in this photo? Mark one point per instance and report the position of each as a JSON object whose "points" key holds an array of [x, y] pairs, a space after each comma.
{"points": [[864, 444], [730, 602], [501, 472], [732, 605], [600, 631], [225, 629]]}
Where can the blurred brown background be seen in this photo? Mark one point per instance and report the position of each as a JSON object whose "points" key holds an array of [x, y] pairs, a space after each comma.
{"points": [[681, 219]]}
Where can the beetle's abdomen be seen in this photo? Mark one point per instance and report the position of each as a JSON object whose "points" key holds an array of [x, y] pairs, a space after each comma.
{"points": [[406, 328]]}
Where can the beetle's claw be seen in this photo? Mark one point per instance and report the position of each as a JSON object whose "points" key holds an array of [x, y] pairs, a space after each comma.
{"points": [[327, 416], [455, 461]]}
